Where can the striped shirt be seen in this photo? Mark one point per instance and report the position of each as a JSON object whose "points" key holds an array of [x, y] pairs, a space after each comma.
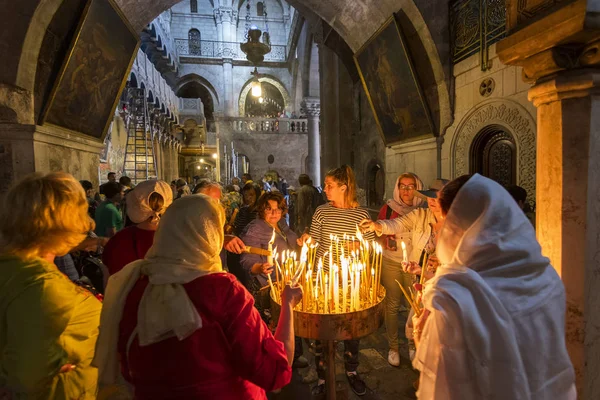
{"points": [[335, 221]]}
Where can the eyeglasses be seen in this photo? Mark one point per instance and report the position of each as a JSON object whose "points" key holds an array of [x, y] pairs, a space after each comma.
{"points": [[407, 187], [273, 210]]}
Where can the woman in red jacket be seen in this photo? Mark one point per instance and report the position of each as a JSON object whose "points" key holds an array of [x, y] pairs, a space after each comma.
{"points": [[181, 327], [145, 205]]}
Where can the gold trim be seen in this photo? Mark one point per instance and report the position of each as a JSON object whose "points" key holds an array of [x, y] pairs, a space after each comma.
{"points": [[65, 64], [414, 77]]}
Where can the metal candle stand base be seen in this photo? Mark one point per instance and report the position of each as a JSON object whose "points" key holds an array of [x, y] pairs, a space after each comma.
{"points": [[330, 328]]}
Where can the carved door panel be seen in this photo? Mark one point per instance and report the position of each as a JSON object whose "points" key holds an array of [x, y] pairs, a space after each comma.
{"points": [[494, 155]]}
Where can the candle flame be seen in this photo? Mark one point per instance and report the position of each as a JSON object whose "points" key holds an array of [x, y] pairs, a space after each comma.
{"points": [[403, 245], [272, 238]]}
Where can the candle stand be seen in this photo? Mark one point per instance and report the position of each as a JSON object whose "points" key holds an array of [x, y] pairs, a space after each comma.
{"points": [[330, 328]]}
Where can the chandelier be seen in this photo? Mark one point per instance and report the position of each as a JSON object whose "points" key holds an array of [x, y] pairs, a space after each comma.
{"points": [[254, 48]]}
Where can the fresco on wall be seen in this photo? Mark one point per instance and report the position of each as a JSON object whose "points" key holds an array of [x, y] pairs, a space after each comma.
{"points": [[391, 85], [95, 71]]}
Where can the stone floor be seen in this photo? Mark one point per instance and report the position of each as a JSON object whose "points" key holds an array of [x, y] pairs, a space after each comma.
{"points": [[383, 381]]}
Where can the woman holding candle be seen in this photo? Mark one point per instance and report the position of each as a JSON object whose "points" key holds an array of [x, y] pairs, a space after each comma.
{"points": [[339, 217], [494, 324], [182, 328], [422, 225], [270, 209], [403, 202], [247, 214]]}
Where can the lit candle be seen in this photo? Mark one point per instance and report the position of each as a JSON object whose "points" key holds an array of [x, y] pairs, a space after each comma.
{"points": [[404, 255], [373, 286], [326, 294], [336, 293], [344, 284], [270, 249]]}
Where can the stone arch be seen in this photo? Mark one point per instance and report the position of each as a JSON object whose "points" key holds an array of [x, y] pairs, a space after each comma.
{"points": [[374, 178], [201, 80], [511, 116], [133, 81], [264, 78]]}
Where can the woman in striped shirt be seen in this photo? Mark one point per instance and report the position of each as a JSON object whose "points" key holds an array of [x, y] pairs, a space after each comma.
{"points": [[340, 216]]}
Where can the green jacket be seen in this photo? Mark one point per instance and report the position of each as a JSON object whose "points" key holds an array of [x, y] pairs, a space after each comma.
{"points": [[46, 321]]}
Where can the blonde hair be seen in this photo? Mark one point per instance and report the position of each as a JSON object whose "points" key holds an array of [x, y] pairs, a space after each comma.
{"points": [[44, 214], [345, 176]]}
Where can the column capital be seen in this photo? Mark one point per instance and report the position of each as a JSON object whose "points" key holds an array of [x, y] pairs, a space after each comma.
{"points": [[568, 38], [224, 14], [566, 85], [311, 106]]}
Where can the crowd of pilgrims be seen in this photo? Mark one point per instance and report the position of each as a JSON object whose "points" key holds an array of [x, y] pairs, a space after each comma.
{"points": [[146, 292]]}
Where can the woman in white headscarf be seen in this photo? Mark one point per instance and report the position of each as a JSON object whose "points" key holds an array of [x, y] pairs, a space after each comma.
{"points": [[403, 202], [181, 327], [494, 325], [146, 203]]}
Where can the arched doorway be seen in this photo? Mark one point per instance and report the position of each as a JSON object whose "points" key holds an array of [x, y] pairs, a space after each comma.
{"points": [[375, 184], [269, 105], [494, 155]]}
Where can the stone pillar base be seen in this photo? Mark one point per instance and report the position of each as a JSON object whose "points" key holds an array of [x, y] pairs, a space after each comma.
{"points": [[33, 148]]}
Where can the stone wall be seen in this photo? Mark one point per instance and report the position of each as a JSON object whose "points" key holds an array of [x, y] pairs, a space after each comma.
{"points": [[507, 106], [288, 150], [182, 20]]}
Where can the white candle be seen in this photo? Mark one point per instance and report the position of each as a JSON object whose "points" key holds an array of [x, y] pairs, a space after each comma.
{"points": [[336, 293], [326, 294], [404, 255]]}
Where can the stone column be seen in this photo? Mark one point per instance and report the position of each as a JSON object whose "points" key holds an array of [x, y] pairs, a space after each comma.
{"points": [[330, 124], [568, 206], [560, 56], [311, 106], [219, 23], [224, 17], [228, 87]]}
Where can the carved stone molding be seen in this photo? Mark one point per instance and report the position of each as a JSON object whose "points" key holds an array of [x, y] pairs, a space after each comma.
{"points": [[311, 106], [515, 119], [567, 85], [560, 58]]}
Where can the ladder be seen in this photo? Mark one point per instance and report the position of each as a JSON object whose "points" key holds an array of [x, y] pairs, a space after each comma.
{"points": [[140, 163]]}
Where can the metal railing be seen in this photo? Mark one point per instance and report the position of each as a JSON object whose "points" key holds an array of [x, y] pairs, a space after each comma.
{"points": [[214, 49], [474, 26], [270, 125]]}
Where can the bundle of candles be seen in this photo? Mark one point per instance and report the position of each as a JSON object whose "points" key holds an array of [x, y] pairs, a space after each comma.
{"points": [[350, 284], [413, 297]]}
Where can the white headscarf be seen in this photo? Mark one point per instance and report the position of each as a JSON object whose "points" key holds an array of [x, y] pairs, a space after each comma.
{"points": [[396, 202], [186, 246], [493, 273], [138, 207]]}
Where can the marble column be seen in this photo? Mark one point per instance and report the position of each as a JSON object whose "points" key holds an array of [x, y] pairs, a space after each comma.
{"points": [[563, 65], [311, 107]]}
